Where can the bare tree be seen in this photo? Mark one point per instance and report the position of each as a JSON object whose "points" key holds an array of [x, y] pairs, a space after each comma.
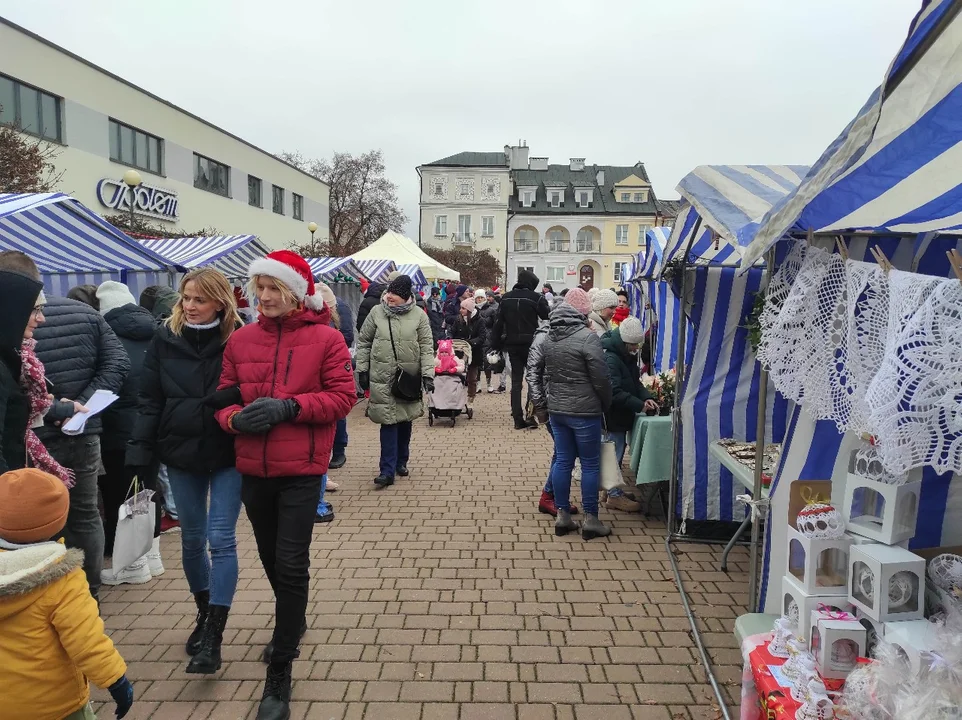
{"points": [[26, 164], [363, 202], [478, 268]]}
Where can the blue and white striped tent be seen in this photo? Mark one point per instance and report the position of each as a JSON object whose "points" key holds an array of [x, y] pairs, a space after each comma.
{"points": [[720, 395], [897, 167], [414, 272], [894, 169], [327, 269], [74, 246], [231, 254], [376, 270]]}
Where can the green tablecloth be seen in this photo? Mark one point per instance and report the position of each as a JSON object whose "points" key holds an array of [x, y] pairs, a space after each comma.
{"points": [[650, 443]]}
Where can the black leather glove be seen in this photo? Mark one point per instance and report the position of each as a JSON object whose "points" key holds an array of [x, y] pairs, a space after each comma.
{"points": [[364, 380], [224, 398], [61, 410], [123, 694], [428, 384], [263, 414]]}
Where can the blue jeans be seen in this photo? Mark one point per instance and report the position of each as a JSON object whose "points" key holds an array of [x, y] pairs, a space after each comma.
{"points": [[548, 487], [340, 437], [323, 508], [163, 485], [395, 447], [576, 437], [216, 527]]}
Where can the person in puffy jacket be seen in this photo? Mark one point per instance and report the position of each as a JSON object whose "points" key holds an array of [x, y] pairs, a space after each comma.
{"points": [[518, 316], [396, 335], [51, 636], [295, 379], [603, 306], [134, 327], [573, 386], [176, 426], [372, 298], [470, 326]]}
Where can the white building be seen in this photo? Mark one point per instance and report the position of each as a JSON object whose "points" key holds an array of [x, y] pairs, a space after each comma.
{"points": [[195, 175], [464, 202]]}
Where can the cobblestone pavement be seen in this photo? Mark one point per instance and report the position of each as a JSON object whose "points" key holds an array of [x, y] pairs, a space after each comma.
{"points": [[447, 597]]}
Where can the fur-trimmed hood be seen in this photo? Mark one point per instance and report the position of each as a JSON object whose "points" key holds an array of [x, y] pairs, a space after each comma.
{"points": [[34, 566]]}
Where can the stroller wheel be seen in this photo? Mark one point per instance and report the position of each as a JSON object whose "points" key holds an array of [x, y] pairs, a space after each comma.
{"points": [[470, 413], [430, 420], [454, 421]]}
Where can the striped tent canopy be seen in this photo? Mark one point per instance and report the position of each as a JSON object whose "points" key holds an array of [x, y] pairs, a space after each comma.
{"points": [[329, 268], [376, 270], [414, 272], [231, 254], [897, 167], [73, 245]]}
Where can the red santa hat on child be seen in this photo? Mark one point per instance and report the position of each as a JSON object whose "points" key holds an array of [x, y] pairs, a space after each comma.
{"points": [[292, 270]]}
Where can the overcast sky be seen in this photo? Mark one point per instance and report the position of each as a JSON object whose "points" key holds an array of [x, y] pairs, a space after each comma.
{"points": [[672, 83]]}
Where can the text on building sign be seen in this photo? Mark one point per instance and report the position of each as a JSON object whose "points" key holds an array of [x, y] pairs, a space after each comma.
{"points": [[149, 200]]}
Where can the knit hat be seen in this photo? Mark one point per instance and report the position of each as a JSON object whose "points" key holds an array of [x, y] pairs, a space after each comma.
{"points": [[401, 286], [603, 299], [460, 290], [631, 331], [480, 295], [393, 275], [578, 299], [292, 270], [113, 295], [469, 305], [33, 506], [327, 295], [594, 291], [87, 294]]}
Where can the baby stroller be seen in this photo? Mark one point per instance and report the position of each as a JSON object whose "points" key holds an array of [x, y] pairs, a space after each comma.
{"points": [[450, 396]]}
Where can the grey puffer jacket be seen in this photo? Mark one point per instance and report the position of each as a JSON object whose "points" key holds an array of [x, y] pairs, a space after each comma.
{"points": [[566, 371], [81, 355]]}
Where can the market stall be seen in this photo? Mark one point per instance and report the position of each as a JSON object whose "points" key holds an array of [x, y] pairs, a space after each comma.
{"points": [[74, 246], [231, 254], [376, 270], [405, 252]]}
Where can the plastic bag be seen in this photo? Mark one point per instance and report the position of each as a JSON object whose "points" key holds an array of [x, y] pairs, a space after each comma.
{"points": [[135, 527], [610, 470]]}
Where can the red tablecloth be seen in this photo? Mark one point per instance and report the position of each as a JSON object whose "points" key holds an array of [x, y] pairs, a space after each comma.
{"points": [[775, 702]]}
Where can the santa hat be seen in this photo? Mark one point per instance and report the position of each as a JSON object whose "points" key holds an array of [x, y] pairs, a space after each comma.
{"points": [[292, 270]]}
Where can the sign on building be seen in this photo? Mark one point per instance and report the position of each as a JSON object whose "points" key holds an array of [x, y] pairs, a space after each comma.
{"points": [[150, 200]]}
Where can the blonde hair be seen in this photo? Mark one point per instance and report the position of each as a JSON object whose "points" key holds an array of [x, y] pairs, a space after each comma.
{"points": [[213, 285], [287, 295]]}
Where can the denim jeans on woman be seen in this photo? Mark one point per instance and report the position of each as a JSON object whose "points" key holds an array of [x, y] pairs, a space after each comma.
{"points": [[576, 437], [216, 527], [395, 447]]}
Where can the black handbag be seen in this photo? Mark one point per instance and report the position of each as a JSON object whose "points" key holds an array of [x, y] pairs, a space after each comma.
{"points": [[405, 386]]}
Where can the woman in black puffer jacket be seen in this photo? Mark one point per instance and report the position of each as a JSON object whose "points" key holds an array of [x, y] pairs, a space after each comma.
{"points": [[176, 426]]}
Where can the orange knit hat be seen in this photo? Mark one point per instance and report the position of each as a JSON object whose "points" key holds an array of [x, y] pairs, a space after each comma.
{"points": [[33, 506]]}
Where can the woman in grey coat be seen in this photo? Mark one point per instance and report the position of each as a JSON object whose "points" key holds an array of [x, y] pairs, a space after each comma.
{"points": [[396, 334], [573, 385]]}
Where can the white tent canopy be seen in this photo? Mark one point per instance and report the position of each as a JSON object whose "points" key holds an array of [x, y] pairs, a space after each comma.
{"points": [[402, 250]]}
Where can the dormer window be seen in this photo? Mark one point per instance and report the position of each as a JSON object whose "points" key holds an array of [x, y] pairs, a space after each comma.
{"points": [[641, 197], [556, 199], [583, 198], [526, 196], [625, 197]]}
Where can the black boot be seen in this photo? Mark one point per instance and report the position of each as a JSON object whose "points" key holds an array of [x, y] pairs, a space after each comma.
{"points": [[382, 481], [207, 659], [269, 648], [193, 642], [338, 460], [275, 702]]}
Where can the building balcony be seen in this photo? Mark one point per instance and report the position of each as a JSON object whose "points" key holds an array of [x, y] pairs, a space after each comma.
{"points": [[591, 247], [464, 238], [559, 246], [526, 246]]}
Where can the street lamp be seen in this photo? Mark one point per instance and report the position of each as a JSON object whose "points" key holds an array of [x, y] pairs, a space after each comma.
{"points": [[312, 226], [132, 181]]}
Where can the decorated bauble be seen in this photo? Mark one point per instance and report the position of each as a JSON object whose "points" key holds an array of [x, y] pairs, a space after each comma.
{"points": [[792, 613], [901, 589], [820, 520], [946, 572]]}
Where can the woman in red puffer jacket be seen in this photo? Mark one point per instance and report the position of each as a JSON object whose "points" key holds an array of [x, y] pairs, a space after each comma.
{"points": [[295, 379]]}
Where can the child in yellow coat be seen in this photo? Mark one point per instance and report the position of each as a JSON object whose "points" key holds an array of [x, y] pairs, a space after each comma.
{"points": [[51, 635]]}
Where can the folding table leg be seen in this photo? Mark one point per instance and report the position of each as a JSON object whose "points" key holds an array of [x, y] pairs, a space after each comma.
{"points": [[731, 543]]}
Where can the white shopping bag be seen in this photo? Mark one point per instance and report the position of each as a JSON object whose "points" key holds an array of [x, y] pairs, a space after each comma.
{"points": [[135, 527], [610, 471]]}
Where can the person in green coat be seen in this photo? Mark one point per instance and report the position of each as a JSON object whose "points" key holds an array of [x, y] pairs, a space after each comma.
{"points": [[628, 396], [378, 360]]}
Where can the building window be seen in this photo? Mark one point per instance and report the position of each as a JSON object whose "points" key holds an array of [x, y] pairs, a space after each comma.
{"points": [[135, 148], [556, 199], [487, 226], [529, 268], [297, 203], [525, 241], [621, 235], [585, 241], [438, 187], [621, 270], [211, 176], [642, 233], [255, 195], [557, 241], [639, 197], [440, 225], [584, 198], [464, 229], [30, 110], [527, 198], [556, 273], [277, 199], [625, 197]]}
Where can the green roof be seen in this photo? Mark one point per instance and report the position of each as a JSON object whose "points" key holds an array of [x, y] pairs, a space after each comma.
{"points": [[603, 200], [473, 159]]}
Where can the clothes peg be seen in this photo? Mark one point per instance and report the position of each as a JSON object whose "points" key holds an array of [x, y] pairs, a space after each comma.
{"points": [[842, 247], [955, 260], [883, 262]]}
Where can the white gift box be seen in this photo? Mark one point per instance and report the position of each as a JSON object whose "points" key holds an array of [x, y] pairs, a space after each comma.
{"points": [[886, 583], [881, 512], [875, 631], [837, 640], [805, 604], [916, 642], [818, 565]]}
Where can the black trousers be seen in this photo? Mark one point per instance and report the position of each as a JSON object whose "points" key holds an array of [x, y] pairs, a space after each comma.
{"points": [[519, 360], [281, 511], [114, 485]]}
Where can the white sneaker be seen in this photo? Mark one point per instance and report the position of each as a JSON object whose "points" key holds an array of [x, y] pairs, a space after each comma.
{"points": [[154, 561], [137, 573], [490, 389]]}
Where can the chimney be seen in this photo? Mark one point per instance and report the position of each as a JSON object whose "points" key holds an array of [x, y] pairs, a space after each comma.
{"points": [[576, 164], [517, 156], [539, 163], [600, 178]]}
